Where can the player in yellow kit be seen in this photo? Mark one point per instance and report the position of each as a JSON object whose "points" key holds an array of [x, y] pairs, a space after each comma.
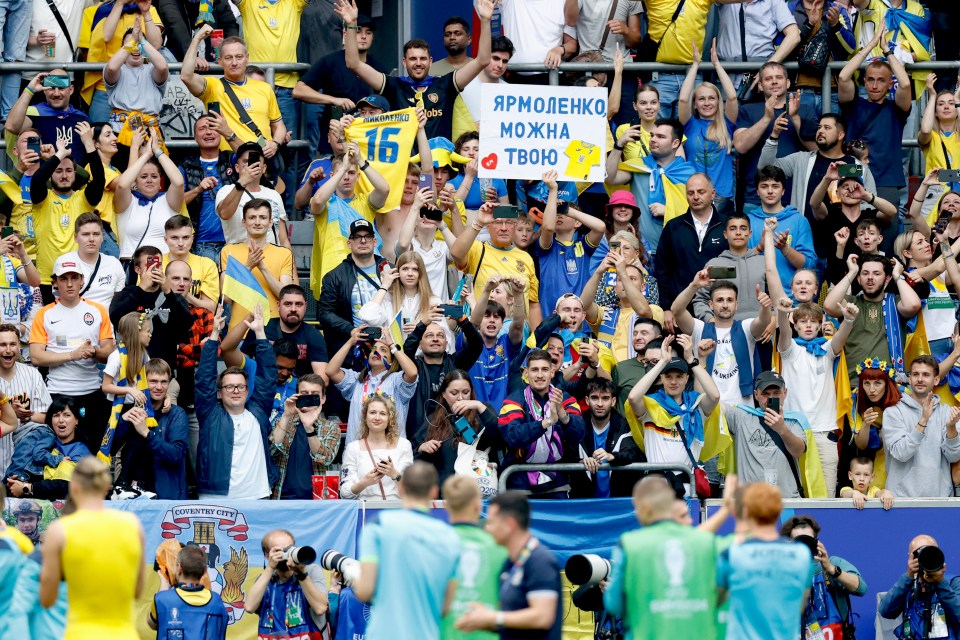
{"points": [[99, 552]]}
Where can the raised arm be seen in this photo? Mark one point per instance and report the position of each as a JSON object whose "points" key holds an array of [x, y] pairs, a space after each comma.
{"points": [[929, 119], [196, 84], [347, 10], [461, 248], [549, 225], [93, 190], [679, 308], [174, 193], [614, 174], [635, 398], [590, 309], [335, 364], [850, 313], [731, 105], [820, 192], [839, 291], [763, 318], [465, 74], [409, 226], [903, 97], [112, 21], [774, 285], [684, 108], [846, 87], [377, 197], [320, 199], [123, 184]]}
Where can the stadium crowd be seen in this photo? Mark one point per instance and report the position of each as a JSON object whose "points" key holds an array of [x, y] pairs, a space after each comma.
{"points": [[757, 287]]}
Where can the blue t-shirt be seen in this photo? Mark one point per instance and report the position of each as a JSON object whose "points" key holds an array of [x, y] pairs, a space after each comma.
{"points": [[881, 127], [211, 229], [564, 268], [474, 198], [492, 369], [766, 582], [603, 477], [538, 574], [708, 157], [416, 556]]}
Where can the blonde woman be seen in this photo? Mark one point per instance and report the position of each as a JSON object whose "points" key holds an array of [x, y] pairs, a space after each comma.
{"points": [[939, 138], [373, 464], [709, 123], [404, 288]]}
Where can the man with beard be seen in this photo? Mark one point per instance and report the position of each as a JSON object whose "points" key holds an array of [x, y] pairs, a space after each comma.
{"points": [[54, 217], [54, 118], [880, 328], [434, 364], [329, 82], [606, 440], [456, 39], [735, 363], [26, 162], [540, 424], [652, 187], [312, 351], [435, 94]]}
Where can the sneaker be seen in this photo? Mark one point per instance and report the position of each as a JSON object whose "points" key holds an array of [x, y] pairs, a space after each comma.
{"points": [[146, 495], [124, 493]]}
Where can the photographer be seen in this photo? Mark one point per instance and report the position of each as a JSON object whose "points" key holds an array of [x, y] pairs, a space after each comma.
{"points": [[188, 605], [834, 580], [290, 598], [925, 596]]}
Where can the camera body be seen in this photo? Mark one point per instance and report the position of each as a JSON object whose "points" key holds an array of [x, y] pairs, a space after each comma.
{"points": [[349, 568]]}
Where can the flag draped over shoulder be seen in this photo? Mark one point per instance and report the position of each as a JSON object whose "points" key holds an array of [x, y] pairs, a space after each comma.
{"points": [[242, 287], [141, 384], [716, 435], [385, 141], [668, 185]]}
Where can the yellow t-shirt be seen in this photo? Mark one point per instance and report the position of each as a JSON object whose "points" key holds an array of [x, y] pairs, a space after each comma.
{"points": [[272, 30], [100, 51], [258, 100], [933, 152], [637, 148], [279, 261], [206, 277], [676, 38], [507, 262], [583, 156], [89, 564], [106, 209], [330, 244], [463, 121], [54, 220]]}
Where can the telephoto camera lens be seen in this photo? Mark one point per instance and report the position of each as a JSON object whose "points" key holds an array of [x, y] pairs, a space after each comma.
{"points": [[300, 555], [930, 558], [349, 568]]}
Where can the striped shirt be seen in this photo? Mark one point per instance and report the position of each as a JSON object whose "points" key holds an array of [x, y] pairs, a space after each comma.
{"points": [[26, 382]]}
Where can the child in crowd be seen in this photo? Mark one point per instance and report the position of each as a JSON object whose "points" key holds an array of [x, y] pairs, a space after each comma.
{"points": [[867, 238], [864, 487]]}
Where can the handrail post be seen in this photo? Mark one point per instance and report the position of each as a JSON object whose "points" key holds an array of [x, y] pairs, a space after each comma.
{"points": [[826, 91], [554, 77]]}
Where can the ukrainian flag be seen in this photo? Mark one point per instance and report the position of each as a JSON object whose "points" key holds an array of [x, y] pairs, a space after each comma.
{"points": [[396, 329], [240, 286]]}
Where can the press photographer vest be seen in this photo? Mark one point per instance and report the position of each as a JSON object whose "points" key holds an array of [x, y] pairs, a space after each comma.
{"points": [[179, 617]]}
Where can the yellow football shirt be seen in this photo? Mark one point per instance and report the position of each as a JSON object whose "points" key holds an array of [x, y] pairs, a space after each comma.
{"points": [[507, 262], [933, 152], [583, 157], [106, 209], [257, 99], [329, 244], [54, 219], [206, 277], [272, 30], [676, 37]]}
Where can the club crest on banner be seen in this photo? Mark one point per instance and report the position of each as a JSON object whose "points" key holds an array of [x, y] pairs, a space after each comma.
{"points": [[227, 566]]}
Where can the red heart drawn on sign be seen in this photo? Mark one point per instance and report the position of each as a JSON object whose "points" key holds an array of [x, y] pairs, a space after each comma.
{"points": [[490, 162]]}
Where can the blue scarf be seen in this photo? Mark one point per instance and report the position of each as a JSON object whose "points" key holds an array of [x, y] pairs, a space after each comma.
{"points": [[104, 10], [144, 200], [690, 416], [44, 110], [417, 85], [891, 321], [814, 346], [747, 366]]}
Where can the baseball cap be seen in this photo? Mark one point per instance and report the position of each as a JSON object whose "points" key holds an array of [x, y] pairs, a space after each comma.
{"points": [[769, 379], [363, 20], [375, 101], [677, 364], [360, 225], [65, 265], [854, 178], [244, 148]]}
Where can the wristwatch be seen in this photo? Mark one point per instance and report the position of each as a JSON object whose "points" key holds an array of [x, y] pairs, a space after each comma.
{"points": [[233, 136], [364, 166], [837, 571], [310, 434], [617, 146], [694, 363]]}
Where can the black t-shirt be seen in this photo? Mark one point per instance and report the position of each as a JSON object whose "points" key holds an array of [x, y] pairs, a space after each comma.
{"points": [[748, 116], [539, 573], [822, 243], [439, 95], [309, 341], [836, 220]]}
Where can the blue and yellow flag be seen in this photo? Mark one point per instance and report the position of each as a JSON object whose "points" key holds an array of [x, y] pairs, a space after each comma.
{"points": [[386, 141], [121, 380], [396, 329], [242, 287], [10, 188], [716, 435]]}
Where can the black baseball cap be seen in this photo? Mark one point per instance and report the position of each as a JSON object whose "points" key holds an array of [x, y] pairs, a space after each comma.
{"points": [[769, 379], [677, 364], [360, 225]]}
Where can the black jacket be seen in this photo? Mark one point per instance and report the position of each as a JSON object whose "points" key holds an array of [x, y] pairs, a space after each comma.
{"points": [[180, 17], [445, 457], [193, 171], [681, 255], [621, 444], [334, 312], [430, 375], [166, 335]]}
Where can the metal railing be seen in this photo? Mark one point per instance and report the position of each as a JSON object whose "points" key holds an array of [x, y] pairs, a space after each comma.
{"points": [[579, 466]]}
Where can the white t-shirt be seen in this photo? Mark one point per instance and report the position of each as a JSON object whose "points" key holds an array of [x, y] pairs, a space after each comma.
{"points": [[810, 381], [471, 97], [534, 27], [108, 281], [72, 13], [435, 259], [112, 369], [63, 329], [248, 467], [938, 312], [667, 448], [144, 221], [233, 230], [725, 372]]}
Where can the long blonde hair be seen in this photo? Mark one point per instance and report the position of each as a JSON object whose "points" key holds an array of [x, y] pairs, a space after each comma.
{"points": [[717, 131], [393, 429], [129, 329], [423, 285]]}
